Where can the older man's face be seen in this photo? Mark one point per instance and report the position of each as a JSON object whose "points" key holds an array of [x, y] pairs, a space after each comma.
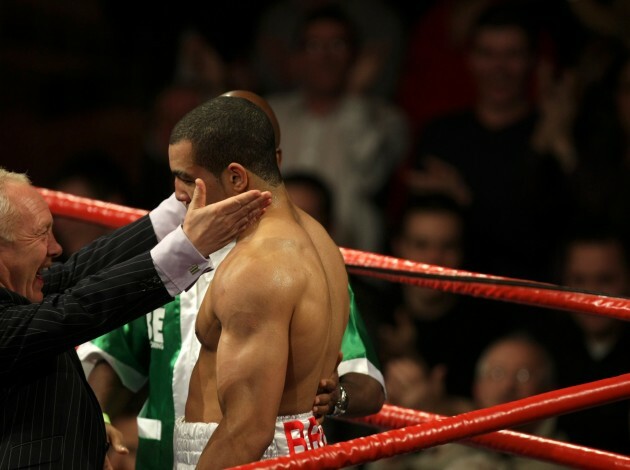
{"points": [[34, 245]]}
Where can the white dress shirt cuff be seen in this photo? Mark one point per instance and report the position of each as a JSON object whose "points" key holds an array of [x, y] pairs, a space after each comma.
{"points": [[167, 216], [178, 262]]}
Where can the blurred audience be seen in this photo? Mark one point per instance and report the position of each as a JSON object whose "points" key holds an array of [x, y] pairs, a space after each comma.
{"points": [[512, 367], [380, 45], [442, 328], [595, 258], [352, 142], [413, 383], [313, 196], [94, 175], [435, 78], [608, 19], [170, 105], [600, 137], [482, 157]]}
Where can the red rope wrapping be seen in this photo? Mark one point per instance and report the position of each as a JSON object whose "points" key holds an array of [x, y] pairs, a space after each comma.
{"points": [[90, 210], [440, 430], [359, 262], [536, 293], [454, 428], [511, 442]]}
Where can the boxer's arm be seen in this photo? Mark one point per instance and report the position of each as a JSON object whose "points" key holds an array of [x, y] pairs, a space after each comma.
{"points": [[254, 307]]}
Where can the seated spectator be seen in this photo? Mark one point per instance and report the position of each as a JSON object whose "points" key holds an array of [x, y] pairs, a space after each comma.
{"points": [[512, 367], [434, 324], [596, 259], [352, 142], [413, 383]]}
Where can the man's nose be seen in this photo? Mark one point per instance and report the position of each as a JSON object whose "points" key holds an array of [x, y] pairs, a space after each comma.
{"points": [[54, 248], [180, 193]]}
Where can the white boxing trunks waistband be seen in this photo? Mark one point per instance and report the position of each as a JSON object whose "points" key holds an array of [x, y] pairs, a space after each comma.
{"points": [[294, 434]]}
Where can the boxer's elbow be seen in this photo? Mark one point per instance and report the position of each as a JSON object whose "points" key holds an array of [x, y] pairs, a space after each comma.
{"points": [[259, 439]]}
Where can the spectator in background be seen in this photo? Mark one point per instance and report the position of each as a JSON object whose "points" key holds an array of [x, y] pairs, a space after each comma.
{"points": [[512, 367], [352, 142], [411, 382], [376, 68], [600, 139], [312, 195], [430, 323], [435, 78], [595, 347], [482, 157], [94, 175]]}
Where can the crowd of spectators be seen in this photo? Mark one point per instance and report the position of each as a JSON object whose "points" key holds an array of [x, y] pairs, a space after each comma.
{"points": [[486, 135]]}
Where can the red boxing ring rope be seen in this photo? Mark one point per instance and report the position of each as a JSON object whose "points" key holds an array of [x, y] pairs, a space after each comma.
{"points": [[388, 268], [414, 436], [516, 443], [483, 285], [90, 210], [465, 425]]}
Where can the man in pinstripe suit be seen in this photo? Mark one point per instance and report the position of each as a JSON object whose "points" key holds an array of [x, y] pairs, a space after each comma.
{"points": [[49, 417]]}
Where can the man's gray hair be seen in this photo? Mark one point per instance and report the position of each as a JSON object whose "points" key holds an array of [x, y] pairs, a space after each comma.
{"points": [[8, 212]]}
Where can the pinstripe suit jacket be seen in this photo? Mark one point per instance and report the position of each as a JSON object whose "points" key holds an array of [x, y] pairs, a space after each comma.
{"points": [[49, 416]]}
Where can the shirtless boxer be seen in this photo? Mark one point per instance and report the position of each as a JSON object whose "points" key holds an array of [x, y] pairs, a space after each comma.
{"points": [[273, 318]]}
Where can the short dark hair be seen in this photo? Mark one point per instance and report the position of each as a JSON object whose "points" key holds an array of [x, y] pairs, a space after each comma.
{"points": [[516, 14], [229, 129], [593, 230], [431, 202]]}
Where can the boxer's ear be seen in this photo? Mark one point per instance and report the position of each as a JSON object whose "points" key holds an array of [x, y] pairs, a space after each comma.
{"points": [[237, 177]]}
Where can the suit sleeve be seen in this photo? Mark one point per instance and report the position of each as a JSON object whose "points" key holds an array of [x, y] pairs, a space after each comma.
{"points": [[103, 286], [122, 244], [97, 304]]}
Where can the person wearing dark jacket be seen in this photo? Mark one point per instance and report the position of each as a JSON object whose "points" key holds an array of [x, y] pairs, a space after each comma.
{"points": [[49, 417]]}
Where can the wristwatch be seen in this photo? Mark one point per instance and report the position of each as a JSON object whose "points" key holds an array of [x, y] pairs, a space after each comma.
{"points": [[342, 404]]}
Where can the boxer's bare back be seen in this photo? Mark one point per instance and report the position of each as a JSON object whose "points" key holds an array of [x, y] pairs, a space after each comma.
{"points": [[271, 324]]}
